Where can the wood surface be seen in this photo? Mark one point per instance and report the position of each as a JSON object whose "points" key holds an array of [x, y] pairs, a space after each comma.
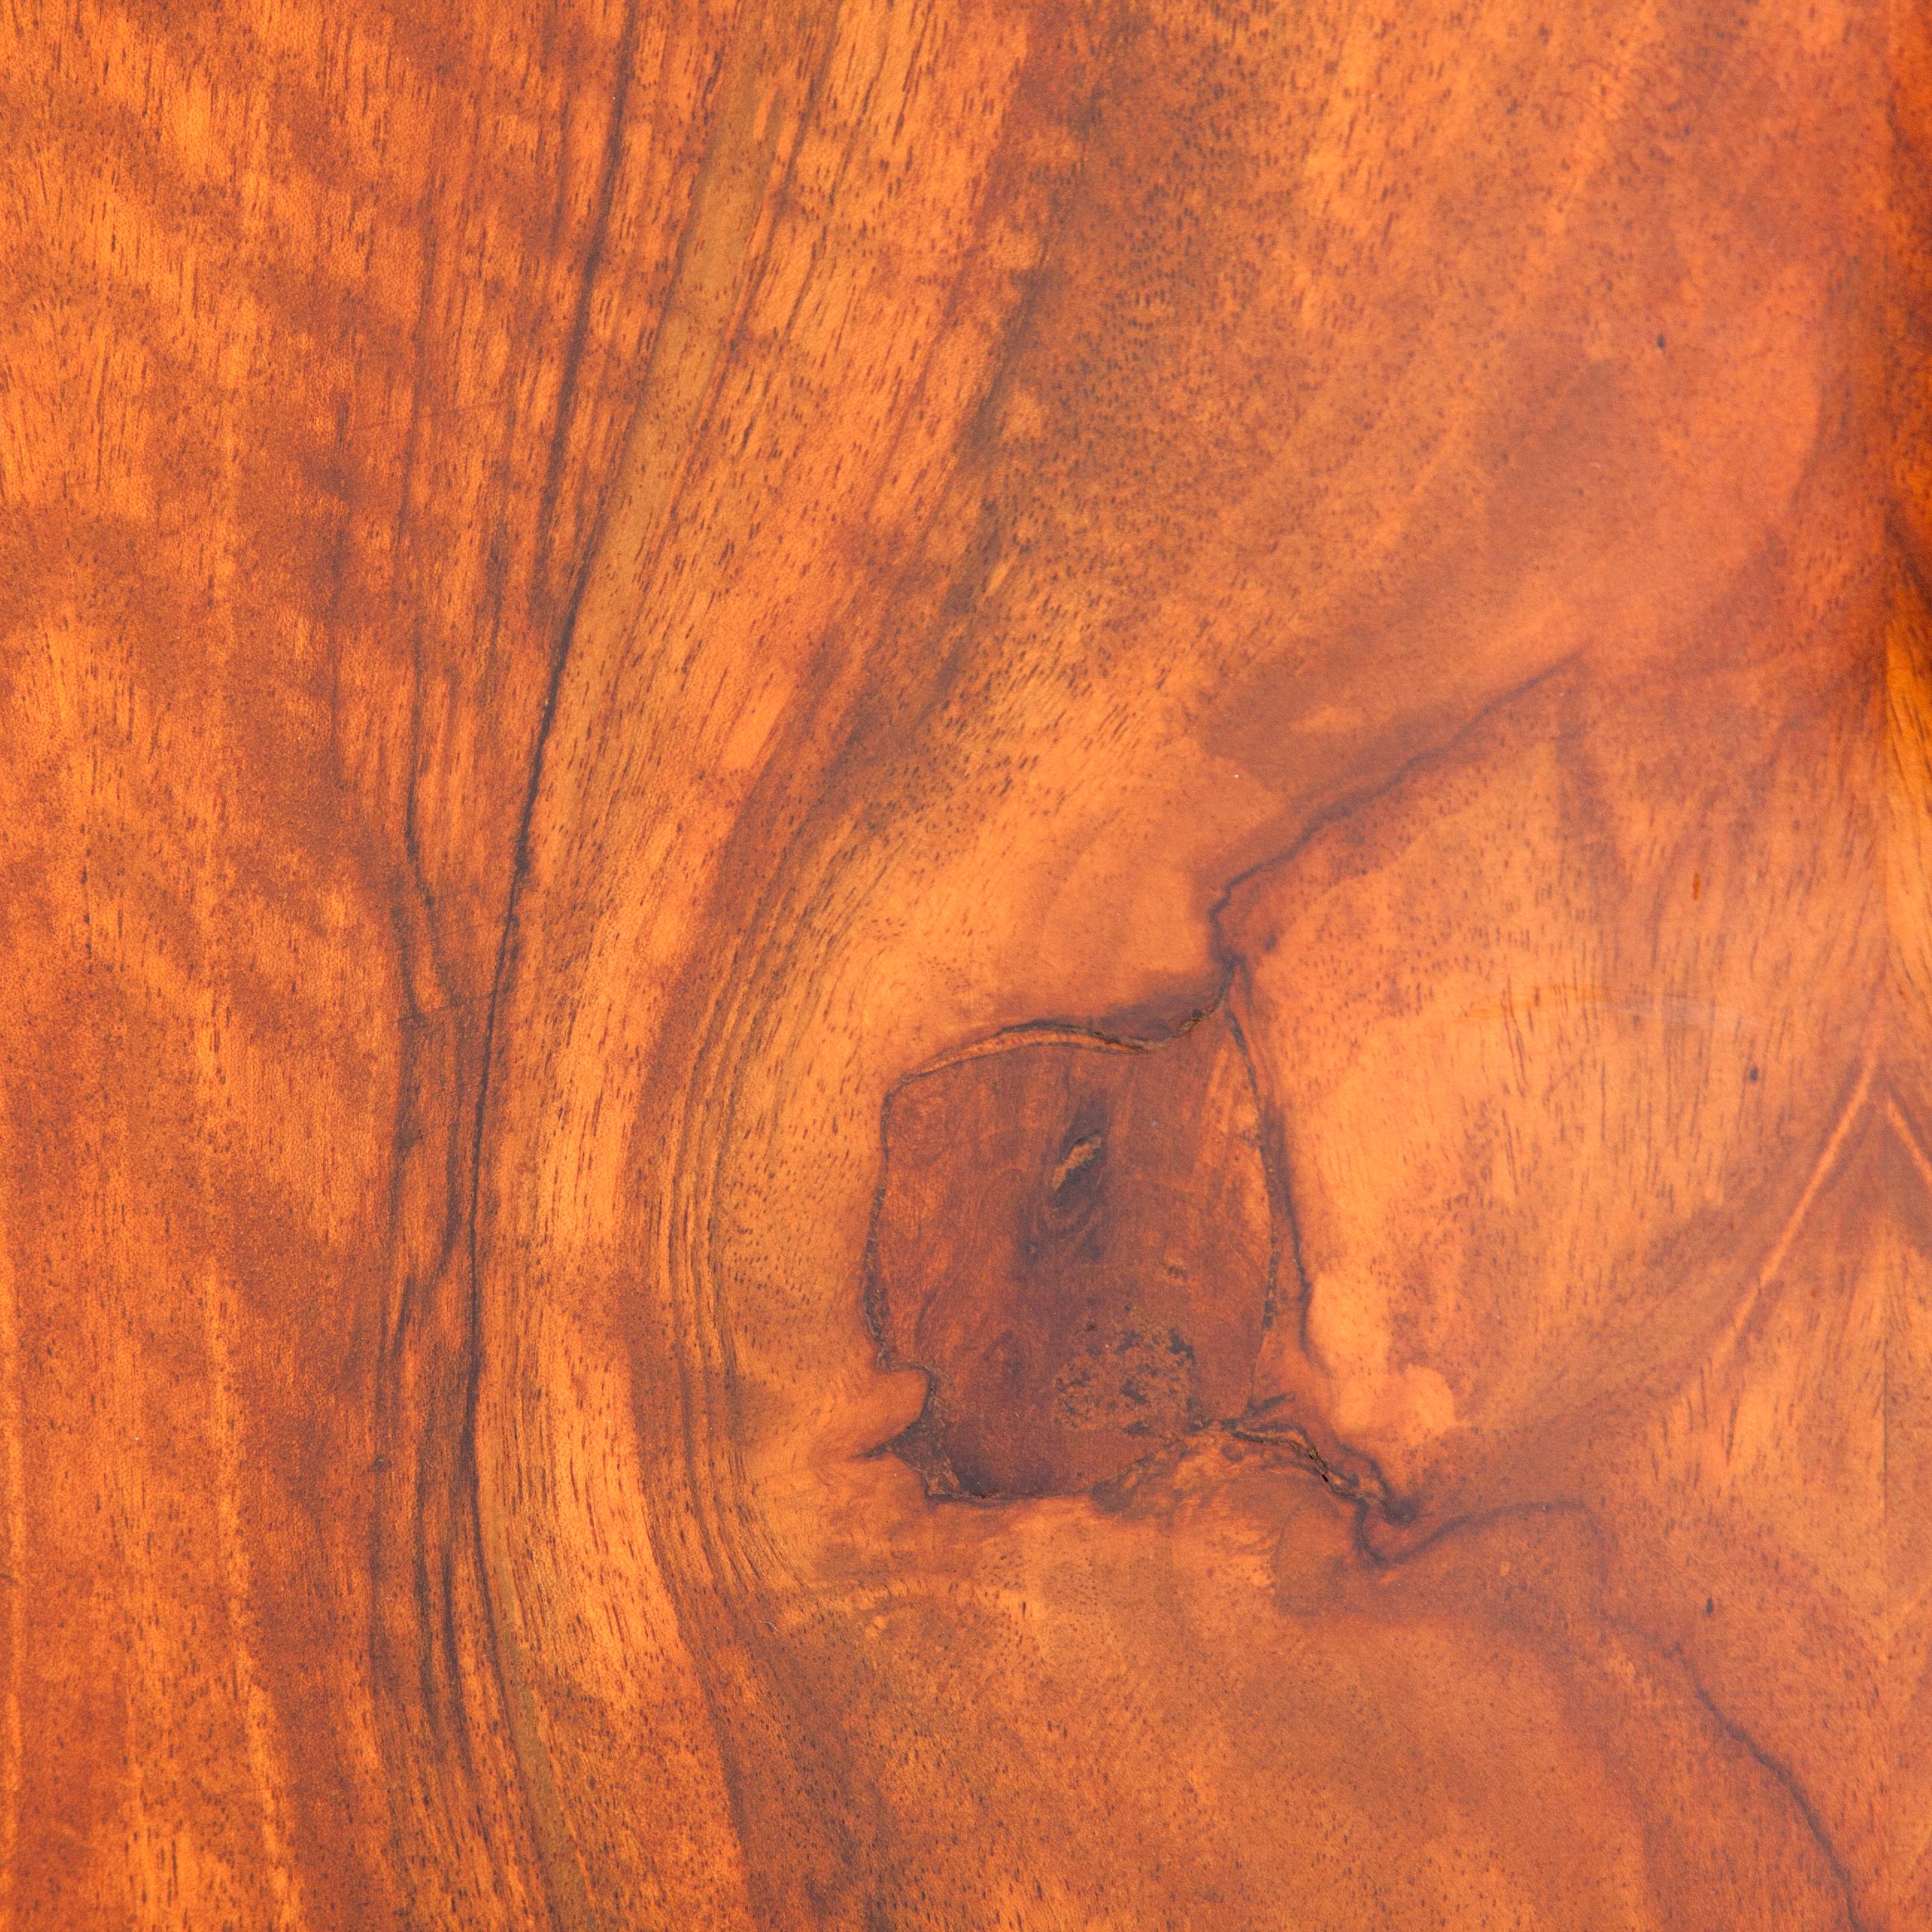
{"points": [[966, 965]]}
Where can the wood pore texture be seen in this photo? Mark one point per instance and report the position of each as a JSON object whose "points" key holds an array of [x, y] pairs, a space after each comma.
{"points": [[965, 965]]}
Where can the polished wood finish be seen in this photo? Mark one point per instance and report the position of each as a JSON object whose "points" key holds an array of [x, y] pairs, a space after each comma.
{"points": [[967, 965]]}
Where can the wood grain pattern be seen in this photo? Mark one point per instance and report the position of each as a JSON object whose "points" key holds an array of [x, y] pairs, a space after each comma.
{"points": [[967, 965]]}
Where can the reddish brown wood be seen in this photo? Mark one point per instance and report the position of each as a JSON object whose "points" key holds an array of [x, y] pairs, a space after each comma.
{"points": [[718, 715]]}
